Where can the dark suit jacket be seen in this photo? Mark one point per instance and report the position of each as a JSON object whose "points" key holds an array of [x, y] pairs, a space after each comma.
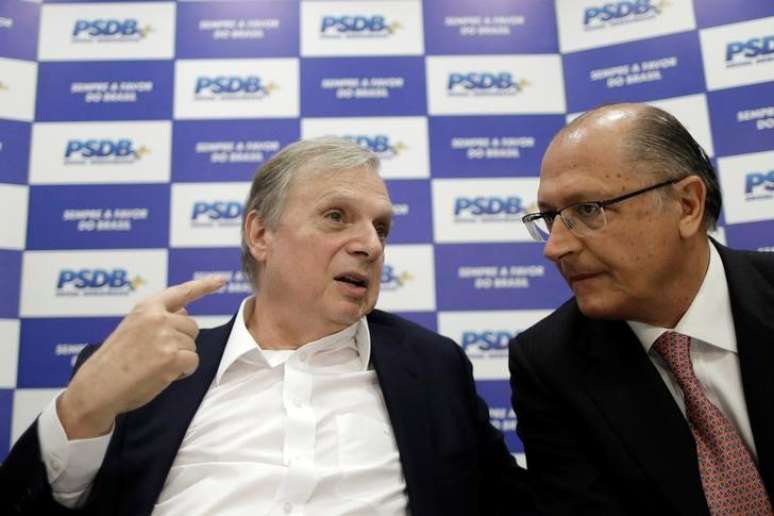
{"points": [[601, 431], [454, 462]]}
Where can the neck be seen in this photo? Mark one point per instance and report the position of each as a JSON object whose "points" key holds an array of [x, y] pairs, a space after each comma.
{"points": [[276, 328]]}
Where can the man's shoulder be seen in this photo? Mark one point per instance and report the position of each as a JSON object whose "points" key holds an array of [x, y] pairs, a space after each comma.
{"points": [[379, 318], [747, 270], [416, 336], [563, 321], [761, 260], [552, 335]]}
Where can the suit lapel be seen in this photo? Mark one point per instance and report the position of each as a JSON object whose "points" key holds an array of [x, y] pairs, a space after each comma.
{"points": [[396, 367], [752, 305], [638, 406], [154, 432]]}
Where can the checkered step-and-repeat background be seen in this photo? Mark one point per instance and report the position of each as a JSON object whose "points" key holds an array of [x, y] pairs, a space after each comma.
{"points": [[129, 132]]}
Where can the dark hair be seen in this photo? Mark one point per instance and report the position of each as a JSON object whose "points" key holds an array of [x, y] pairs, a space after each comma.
{"points": [[658, 137]]}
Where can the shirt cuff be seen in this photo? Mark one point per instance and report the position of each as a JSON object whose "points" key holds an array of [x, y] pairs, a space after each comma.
{"points": [[70, 465]]}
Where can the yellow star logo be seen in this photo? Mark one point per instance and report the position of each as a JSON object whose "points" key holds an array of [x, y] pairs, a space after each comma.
{"points": [[399, 147], [405, 278], [142, 151], [391, 28], [661, 5]]}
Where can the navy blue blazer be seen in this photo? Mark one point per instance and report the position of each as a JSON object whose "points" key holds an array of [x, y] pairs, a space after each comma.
{"points": [[603, 434], [454, 461]]}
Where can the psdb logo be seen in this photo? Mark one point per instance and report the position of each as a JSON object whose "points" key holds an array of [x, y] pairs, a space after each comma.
{"points": [[393, 280], [357, 26], [216, 213], [379, 144], [759, 185], [102, 151], [94, 282], [484, 83], [486, 342], [750, 51], [109, 29], [616, 13], [232, 87], [488, 209]]}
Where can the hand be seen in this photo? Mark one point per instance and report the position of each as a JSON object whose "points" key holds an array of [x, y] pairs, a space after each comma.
{"points": [[153, 346]]}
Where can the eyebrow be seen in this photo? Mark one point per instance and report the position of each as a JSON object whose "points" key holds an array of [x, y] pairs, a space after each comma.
{"points": [[344, 198]]}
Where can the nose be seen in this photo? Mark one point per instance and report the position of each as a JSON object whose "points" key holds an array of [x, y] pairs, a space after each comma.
{"points": [[561, 241], [367, 242]]}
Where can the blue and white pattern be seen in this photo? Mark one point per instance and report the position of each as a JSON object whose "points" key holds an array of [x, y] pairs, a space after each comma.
{"points": [[129, 132]]}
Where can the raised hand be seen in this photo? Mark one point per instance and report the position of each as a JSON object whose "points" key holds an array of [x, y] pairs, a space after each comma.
{"points": [[153, 346]]}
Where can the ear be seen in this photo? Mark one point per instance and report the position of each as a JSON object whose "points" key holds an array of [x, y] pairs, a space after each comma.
{"points": [[691, 194], [258, 237]]}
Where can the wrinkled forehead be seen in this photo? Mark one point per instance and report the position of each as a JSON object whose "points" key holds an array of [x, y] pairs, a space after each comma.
{"points": [[320, 171], [359, 183], [582, 166]]}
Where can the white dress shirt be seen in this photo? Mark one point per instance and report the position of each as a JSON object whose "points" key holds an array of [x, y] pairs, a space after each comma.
{"points": [[296, 432], [710, 324]]}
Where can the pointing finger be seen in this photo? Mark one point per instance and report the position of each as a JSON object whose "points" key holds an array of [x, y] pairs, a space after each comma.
{"points": [[176, 297]]}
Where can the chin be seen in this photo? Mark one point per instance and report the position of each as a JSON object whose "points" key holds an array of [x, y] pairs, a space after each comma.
{"points": [[348, 315], [595, 308]]}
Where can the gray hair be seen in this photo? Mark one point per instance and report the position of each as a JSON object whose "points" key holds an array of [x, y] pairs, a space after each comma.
{"points": [[270, 186]]}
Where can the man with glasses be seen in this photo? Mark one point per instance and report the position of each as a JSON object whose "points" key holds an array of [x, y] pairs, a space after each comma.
{"points": [[649, 392]]}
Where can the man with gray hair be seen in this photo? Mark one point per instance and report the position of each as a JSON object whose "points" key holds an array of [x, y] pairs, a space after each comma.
{"points": [[650, 392], [308, 402]]}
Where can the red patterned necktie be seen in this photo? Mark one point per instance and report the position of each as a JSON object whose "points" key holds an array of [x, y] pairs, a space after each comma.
{"points": [[732, 483]]}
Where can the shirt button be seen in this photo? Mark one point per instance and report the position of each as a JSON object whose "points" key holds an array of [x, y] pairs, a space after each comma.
{"points": [[303, 356], [287, 508], [56, 464], [298, 402]]}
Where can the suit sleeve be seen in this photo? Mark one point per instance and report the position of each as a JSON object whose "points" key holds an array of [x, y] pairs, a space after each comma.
{"points": [[505, 489], [565, 475], [23, 478]]}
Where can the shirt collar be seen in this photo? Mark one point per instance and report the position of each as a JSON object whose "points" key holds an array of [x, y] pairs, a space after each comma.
{"points": [[709, 317], [240, 341]]}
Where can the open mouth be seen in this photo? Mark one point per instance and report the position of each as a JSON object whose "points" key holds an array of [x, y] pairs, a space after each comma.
{"points": [[353, 279]]}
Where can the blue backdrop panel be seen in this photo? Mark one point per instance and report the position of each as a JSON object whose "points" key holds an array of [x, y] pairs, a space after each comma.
{"points": [[48, 347], [472, 146], [237, 29], [10, 264], [226, 150], [14, 151], [105, 91], [742, 118], [475, 27], [363, 86], [500, 77], [98, 216], [413, 223], [650, 69]]}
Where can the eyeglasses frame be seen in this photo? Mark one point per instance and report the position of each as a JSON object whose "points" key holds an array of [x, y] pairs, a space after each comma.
{"points": [[531, 217]]}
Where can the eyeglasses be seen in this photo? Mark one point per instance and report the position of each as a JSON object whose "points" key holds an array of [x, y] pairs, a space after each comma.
{"points": [[582, 218]]}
